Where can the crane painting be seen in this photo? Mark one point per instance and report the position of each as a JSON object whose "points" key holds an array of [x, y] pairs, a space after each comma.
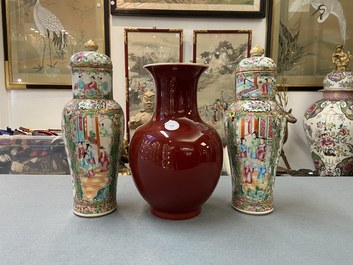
{"points": [[323, 9], [52, 33], [42, 35], [305, 34]]}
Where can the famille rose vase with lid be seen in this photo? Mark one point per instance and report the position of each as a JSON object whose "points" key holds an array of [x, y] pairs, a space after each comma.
{"points": [[255, 127], [176, 158], [93, 129], [328, 123]]}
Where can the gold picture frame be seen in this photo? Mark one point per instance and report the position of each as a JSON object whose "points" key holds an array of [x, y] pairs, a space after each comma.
{"points": [[40, 37]]}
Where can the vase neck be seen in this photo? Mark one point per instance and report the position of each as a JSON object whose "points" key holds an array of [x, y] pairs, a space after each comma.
{"points": [[338, 95], [176, 90]]}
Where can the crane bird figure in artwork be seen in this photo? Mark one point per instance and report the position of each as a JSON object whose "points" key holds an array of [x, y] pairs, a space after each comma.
{"points": [[51, 30], [324, 8]]}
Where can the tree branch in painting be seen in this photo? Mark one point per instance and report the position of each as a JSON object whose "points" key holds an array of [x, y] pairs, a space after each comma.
{"points": [[289, 50]]}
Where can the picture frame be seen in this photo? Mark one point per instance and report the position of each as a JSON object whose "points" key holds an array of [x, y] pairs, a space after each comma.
{"points": [[302, 42], [144, 46], [221, 50], [187, 8], [36, 53]]}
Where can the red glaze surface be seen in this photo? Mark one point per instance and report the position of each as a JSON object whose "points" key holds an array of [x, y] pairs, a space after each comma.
{"points": [[176, 170]]}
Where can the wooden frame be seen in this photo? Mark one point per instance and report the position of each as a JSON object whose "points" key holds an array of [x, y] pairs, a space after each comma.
{"points": [[145, 46], [209, 8], [301, 46], [222, 50], [37, 53]]}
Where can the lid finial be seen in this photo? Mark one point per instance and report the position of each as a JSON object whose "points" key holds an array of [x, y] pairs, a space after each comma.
{"points": [[341, 59], [91, 46], [257, 51]]}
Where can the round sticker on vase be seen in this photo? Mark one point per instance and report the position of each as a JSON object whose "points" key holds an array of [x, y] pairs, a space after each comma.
{"points": [[171, 125]]}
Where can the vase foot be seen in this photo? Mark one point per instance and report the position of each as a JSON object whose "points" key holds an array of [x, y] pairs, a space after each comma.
{"points": [[94, 215], [253, 213], [176, 216]]}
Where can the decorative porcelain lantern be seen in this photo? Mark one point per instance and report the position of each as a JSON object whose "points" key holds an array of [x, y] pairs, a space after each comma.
{"points": [[93, 129], [255, 129], [328, 123]]}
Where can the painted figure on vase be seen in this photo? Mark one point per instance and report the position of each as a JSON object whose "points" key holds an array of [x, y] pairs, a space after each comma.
{"points": [[248, 170], [102, 130], [80, 85], [254, 145], [90, 154], [261, 149], [244, 149], [262, 170], [81, 150], [103, 86], [103, 159]]}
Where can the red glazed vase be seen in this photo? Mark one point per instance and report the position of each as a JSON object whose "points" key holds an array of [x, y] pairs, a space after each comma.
{"points": [[176, 158]]}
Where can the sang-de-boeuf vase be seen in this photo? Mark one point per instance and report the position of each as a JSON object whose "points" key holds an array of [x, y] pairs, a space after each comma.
{"points": [[176, 158]]}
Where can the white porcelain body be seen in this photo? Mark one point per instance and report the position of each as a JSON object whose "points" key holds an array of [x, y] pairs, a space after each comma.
{"points": [[328, 125]]}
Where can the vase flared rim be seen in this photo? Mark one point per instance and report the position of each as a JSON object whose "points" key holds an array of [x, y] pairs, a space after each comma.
{"points": [[176, 64]]}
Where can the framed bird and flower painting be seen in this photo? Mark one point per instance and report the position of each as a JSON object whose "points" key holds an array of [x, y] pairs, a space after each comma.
{"points": [[305, 34], [40, 36]]}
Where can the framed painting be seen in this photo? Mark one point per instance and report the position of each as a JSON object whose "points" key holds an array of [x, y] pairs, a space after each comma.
{"points": [[41, 36], [142, 47], [199, 8], [304, 37], [221, 50]]}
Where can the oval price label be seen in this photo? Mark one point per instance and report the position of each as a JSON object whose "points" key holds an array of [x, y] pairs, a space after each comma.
{"points": [[171, 125]]}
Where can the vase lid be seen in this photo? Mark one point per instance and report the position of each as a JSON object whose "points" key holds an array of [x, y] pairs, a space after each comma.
{"points": [[340, 78], [257, 61], [256, 76], [90, 57]]}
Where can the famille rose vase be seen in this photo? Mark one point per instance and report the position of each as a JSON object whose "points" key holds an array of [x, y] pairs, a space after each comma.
{"points": [[255, 126], [328, 125], [176, 158], [93, 128]]}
